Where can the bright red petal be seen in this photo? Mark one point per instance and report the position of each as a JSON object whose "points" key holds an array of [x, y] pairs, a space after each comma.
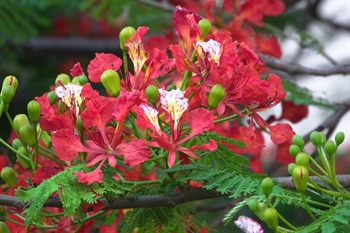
{"points": [[76, 70], [66, 144], [281, 132], [101, 63], [134, 152], [201, 120], [90, 177]]}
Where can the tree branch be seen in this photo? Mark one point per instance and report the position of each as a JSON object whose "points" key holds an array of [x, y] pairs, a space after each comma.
{"points": [[293, 69], [161, 200]]}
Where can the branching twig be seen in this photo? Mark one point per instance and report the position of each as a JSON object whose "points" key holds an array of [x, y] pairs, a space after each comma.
{"points": [[293, 69], [161, 200]]}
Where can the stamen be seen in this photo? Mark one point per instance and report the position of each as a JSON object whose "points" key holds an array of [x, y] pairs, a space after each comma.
{"points": [[70, 95]]}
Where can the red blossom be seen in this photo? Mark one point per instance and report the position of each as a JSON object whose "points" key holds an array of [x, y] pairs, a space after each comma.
{"points": [[281, 133], [292, 112], [101, 63], [90, 177], [66, 144]]}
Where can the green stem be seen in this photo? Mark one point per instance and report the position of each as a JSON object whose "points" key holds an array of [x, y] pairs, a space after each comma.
{"points": [[36, 148], [317, 165], [319, 175], [309, 201], [312, 184], [324, 160], [13, 149], [125, 63], [307, 207], [91, 217]]}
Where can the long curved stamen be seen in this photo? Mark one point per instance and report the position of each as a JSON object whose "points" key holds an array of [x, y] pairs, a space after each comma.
{"points": [[152, 115]]}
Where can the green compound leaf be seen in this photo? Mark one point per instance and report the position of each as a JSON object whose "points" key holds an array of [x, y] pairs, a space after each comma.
{"points": [[300, 95]]}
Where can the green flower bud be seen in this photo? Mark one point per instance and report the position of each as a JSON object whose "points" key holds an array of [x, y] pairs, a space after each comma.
{"points": [[111, 81], [298, 140], [152, 94], [62, 79], [124, 35], [300, 176], [75, 80], [339, 138], [9, 176], [291, 167], [216, 94], [171, 87], [21, 151], [16, 143], [28, 134], [79, 124], [267, 186], [4, 228], [62, 107], [271, 218], [9, 81], [53, 97], [317, 138], [45, 137], [330, 147], [294, 150], [7, 94], [253, 205], [83, 80], [33, 108], [20, 120], [302, 159], [205, 26]]}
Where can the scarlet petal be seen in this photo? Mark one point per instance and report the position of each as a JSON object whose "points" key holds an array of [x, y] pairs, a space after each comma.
{"points": [[211, 146], [200, 120], [281, 133], [101, 63], [171, 158], [90, 177], [283, 155], [76, 70], [66, 144], [134, 152]]}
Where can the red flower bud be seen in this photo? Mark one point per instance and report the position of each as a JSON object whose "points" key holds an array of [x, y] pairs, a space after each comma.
{"points": [[300, 176], [10, 81], [7, 94]]}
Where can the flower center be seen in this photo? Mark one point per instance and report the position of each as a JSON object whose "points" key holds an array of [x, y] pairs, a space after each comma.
{"points": [[174, 102], [70, 95], [152, 115], [212, 49]]}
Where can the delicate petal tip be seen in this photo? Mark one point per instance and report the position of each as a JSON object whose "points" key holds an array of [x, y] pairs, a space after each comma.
{"points": [[248, 225]]}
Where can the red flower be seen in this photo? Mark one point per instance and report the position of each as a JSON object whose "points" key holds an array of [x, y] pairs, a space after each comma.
{"points": [[76, 70], [101, 63]]}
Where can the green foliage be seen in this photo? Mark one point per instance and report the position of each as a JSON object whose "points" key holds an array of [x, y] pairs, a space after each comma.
{"points": [[300, 95], [71, 194], [333, 220]]}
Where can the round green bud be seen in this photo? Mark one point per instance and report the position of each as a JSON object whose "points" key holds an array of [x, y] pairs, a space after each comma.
{"points": [[300, 176], [317, 138], [7, 94], [294, 150], [83, 80], [21, 151], [28, 134], [330, 147], [271, 218], [111, 81], [339, 138], [291, 167], [10, 81], [4, 228], [75, 80], [267, 186], [45, 137], [33, 108], [20, 120], [9, 176], [16, 143], [298, 140], [152, 94], [302, 159], [253, 205], [124, 35], [53, 97], [205, 26], [216, 94], [62, 79]]}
